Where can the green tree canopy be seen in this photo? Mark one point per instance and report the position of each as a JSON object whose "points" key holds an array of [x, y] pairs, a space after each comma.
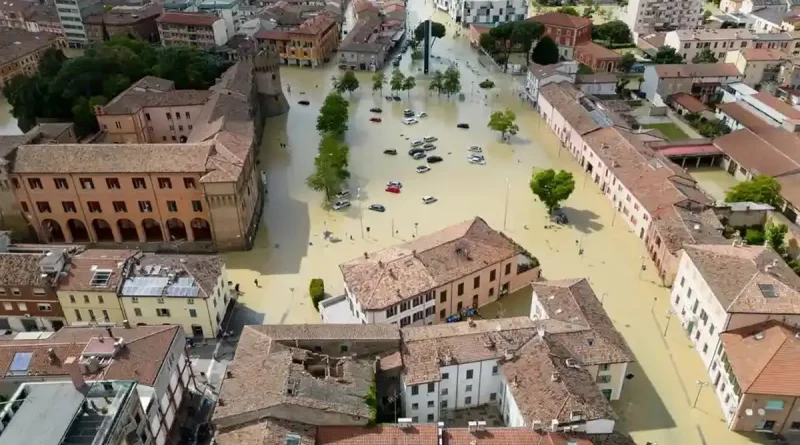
{"points": [[504, 122], [408, 84], [333, 115], [615, 32], [552, 188], [569, 10], [667, 55], [347, 83], [452, 81], [775, 235], [546, 52], [397, 80], [378, 79], [762, 189], [330, 166], [437, 82], [626, 63], [437, 32], [486, 84], [704, 56], [489, 43]]}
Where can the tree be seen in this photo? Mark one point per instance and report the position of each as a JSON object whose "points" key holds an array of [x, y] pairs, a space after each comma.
{"points": [[416, 54], [316, 290], [486, 84], [546, 52], [437, 31], [408, 84], [704, 56], [452, 81], [348, 82], [552, 188], [569, 10], [667, 55], [504, 122], [378, 79], [588, 12], [502, 34], [706, 16], [775, 235], [524, 34], [615, 32], [330, 166], [437, 82], [762, 189], [489, 43], [626, 63], [333, 115], [397, 80], [585, 69]]}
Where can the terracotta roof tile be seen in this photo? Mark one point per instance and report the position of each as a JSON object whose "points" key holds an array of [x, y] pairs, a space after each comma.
{"points": [[689, 102], [328, 332], [744, 116], [559, 19], [697, 70], [596, 51], [22, 269], [764, 54], [16, 43], [188, 18], [778, 105], [564, 98], [80, 271], [269, 432]]}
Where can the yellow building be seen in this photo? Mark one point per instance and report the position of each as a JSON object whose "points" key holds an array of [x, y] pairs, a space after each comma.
{"points": [[88, 292], [309, 44], [190, 290], [21, 50]]}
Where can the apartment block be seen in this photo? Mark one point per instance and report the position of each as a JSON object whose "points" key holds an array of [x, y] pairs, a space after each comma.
{"points": [[21, 50], [72, 14], [136, 21], [700, 80], [648, 16], [566, 30], [435, 278], [757, 65], [309, 44], [193, 29], [492, 12], [28, 282], [689, 43]]}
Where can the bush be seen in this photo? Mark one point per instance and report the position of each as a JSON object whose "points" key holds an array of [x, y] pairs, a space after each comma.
{"points": [[754, 237], [317, 291]]}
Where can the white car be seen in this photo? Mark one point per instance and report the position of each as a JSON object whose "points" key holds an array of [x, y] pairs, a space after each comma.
{"points": [[430, 139], [410, 121], [475, 149], [476, 160], [423, 169], [343, 194], [397, 184], [422, 114], [429, 199], [417, 143], [339, 205]]}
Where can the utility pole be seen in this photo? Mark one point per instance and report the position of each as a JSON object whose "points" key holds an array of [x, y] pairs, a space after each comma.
{"points": [[505, 214]]}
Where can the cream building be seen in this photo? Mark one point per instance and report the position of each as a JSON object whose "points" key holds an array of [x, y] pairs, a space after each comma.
{"points": [[758, 65], [88, 290], [689, 43], [188, 290]]}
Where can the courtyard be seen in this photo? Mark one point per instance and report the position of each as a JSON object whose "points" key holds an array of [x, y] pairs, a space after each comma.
{"points": [[290, 249]]}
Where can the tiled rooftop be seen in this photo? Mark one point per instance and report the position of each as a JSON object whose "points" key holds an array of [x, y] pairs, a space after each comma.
{"points": [[188, 18], [22, 269], [389, 276], [187, 276], [16, 43], [83, 268], [564, 98], [744, 116], [131, 101], [559, 19], [280, 332], [697, 70]]}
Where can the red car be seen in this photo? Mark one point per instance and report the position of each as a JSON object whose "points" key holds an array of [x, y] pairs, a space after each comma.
{"points": [[375, 119], [393, 189]]}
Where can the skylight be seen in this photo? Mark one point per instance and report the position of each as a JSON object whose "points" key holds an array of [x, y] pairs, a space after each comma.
{"points": [[20, 363], [100, 278], [292, 439], [768, 290]]}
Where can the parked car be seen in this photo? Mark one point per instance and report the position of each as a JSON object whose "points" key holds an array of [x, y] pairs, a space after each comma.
{"points": [[423, 169], [388, 97], [304, 102], [476, 159], [419, 156], [397, 98], [376, 110], [559, 217], [339, 205], [430, 139], [393, 189], [397, 184], [390, 151], [377, 208], [375, 119], [422, 114], [408, 113], [475, 149], [396, 62], [434, 159], [429, 199], [410, 121], [464, 126], [417, 143], [429, 147], [343, 194], [416, 150]]}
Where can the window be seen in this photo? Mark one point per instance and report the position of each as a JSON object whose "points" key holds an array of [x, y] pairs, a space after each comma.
{"points": [[138, 183], [120, 207], [112, 183], [85, 298], [162, 312], [91, 315], [43, 206], [15, 183], [476, 282], [414, 419], [469, 388], [774, 405], [169, 116], [69, 207], [178, 115], [677, 299], [494, 370], [415, 406], [164, 183], [172, 206], [15, 291], [100, 299], [795, 426], [705, 348], [188, 183], [418, 316], [508, 268], [461, 289], [118, 125], [188, 116], [444, 391], [443, 404], [35, 183], [147, 116], [405, 321], [605, 367], [711, 330], [145, 207], [78, 315], [404, 306], [492, 275], [24, 206], [87, 183], [137, 311], [493, 397], [105, 315], [94, 206], [160, 300], [134, 299], [442, 314], [197, 206], [61, 183], [469, 373], [44, 307], [445, 375], [443, 296], [765, 425], [430, 311], [467, 400], [8, 306], [430, 416], [391, 312], [431, 387], [415, 390], [605, 378], [72, 298], [180, 127], [192, 313]]}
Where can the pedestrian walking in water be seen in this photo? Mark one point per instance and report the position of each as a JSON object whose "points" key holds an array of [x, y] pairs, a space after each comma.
{"points": [[256, 282]]}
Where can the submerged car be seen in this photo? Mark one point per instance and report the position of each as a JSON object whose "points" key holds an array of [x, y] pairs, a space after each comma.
{"points": [[397, 184], [559, 217], [338, 205], [377, 208], [429, 147], [429, 199], [343, 194], [417, 143], [475, 159], [396, 98], [376, 110], [419, 156], [304, 102], [475, 149], [390, 151], [375, 119], [423, 169], [416, 150], [430, 139], [422, 114], [464, 126], [410, 121], [434, 159], [393, 189]]}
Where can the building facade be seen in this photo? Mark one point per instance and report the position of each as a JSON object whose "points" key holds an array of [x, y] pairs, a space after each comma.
{"points": [[648, 16], [700, 80], [310, 44], [21, 50], [193, 29], [689, 43], [72, 14], [137, 21], [28, 290], [566, 30], [598, 58]]}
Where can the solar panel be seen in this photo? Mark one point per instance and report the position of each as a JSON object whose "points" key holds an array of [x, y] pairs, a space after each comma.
{"points": [[20, 363], [768, 290]]}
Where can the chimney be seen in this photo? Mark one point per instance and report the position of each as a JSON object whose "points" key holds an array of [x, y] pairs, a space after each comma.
{"points": [[126, 324], [75, 375], [110, 334]]}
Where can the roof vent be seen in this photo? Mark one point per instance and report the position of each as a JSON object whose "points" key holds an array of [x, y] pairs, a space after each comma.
{"points": [[471, 322], [554, 376], [404, 422], [759, 335], [508, 354], [572, 363]]}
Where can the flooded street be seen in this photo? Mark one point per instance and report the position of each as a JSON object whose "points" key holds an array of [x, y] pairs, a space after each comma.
{"points": [[290, 250], [715, 181], [8, 124]]}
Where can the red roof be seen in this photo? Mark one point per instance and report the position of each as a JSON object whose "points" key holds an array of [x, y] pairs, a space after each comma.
{"points": [[692, 104], [562, 20], [598, 52], [188, 18], [690, 150], [778, 105], [272, 35]]}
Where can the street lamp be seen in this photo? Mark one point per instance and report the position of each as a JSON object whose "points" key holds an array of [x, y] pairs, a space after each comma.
{"points": [[642, 268], [669, 318], [653, 307], [603, 298], [505, 213], [360, 211], [416, 229], [700, 385]]}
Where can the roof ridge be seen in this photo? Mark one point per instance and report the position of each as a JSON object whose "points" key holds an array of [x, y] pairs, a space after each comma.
{"points": [[166, 328], [770, 359], [727, 309]]}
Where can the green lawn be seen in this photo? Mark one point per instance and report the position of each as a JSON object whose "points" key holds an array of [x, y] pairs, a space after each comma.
{"points": [[671, 131]]}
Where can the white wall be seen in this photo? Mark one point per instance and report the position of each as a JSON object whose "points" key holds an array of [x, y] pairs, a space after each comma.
{"points": [[220, 32], [508, 406]]}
